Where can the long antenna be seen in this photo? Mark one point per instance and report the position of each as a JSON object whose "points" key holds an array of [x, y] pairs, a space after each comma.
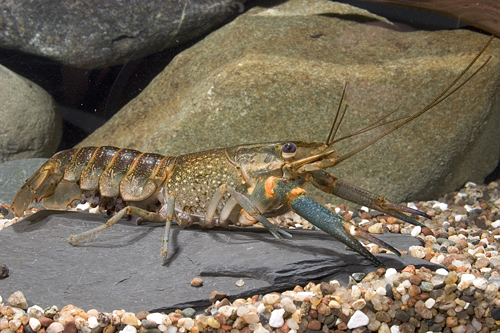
{"points": [[441, 97], [335, 126]]}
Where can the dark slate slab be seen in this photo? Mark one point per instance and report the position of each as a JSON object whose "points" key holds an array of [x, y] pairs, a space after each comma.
{"points": [[120, 268]]}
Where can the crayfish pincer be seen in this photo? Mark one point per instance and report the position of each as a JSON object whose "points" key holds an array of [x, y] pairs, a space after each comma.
{"points": [[236, 185]]}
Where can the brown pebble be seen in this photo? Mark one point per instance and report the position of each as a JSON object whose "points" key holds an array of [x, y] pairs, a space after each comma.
{"points": [[225, 327], [342, 326], [327, 289], [24, 320], [415, 280], [220, 318], [216, 296], [314, 325], [246, 329], [109, 329], [451, 321], [196, 282], [6, 311], [224, 302], [70, 327], [20, 329], [313, 314], [414, 290], [45, 321], [255, 299], [427, 232], [297, 289], [142, 315], [380, 272], [409, 269]]}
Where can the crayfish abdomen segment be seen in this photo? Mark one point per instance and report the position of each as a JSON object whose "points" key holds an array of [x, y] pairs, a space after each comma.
{"points": [[108, 172]]}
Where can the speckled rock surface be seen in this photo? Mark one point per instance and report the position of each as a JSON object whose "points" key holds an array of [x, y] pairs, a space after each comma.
{"points": [[123, 266], [92, 35], [31, 125], [277, 74]]}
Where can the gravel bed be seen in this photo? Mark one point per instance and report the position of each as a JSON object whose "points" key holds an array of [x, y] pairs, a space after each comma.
{"points": [[463, 236]]}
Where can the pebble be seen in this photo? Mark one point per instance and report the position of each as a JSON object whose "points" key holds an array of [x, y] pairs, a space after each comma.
{"points": [[358, 319], [276, 319], [18, 300]]}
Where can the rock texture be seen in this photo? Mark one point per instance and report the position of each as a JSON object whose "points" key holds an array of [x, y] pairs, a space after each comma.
{"points": [[100, 34], [31, 125], [122, 265], [277, 74]]}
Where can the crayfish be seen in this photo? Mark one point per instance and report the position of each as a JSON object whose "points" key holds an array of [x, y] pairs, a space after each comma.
{"points": [[236, 185]]}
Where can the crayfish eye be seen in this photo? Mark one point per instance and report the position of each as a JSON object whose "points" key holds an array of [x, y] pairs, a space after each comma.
{"points": [[288, 150]]}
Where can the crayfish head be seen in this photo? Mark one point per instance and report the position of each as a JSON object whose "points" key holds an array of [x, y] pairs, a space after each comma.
{"points": [[280, 159]]}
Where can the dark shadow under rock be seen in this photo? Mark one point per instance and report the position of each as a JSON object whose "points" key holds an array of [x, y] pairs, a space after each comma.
{"points": [[121, 267]]}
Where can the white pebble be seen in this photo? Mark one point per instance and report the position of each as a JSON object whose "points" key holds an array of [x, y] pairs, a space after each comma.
{"points": [[390, 272], [395, 329], [412, 205], [129, 329], [93, 323], [171, 329], [271, 299], [358, 319], [302, 295], [240, 283], [364, 208], [155, 317], [261, 308], [480, 283], [381, 291], [496, 224], [35, 311], [162, 328], [468, 208], [443, 207], [84, 206], [260, 329], [458, 218], [417, 251], [429, 303], [467, 278], [35, 324], [276, 319], [416, 231], [55, 327], [441, 271]]}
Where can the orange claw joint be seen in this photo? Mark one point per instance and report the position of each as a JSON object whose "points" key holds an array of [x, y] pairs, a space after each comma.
{"points": [[320, 216], [329, 184]]}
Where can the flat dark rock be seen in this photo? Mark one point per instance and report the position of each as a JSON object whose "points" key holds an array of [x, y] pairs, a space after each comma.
{"points": [[121, 267]]}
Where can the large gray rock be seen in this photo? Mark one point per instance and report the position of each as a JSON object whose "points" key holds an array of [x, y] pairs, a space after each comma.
{"points": [[277, 74], [91, 34], [31, 125], [121, 267]]}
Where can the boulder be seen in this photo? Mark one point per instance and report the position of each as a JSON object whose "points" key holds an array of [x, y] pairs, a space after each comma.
{"points": [[100, 34], [277, 74], [31, 125]]}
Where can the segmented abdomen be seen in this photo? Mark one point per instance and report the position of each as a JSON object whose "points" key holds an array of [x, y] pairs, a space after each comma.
{"points": [[113, 172]]}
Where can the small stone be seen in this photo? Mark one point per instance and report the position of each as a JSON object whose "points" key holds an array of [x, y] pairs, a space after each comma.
{"points": [[188, 312], [271, 299], [417, 251], [376, 228], [93, 323], [129, 318], [6, 311], [426, 286], [314, 325], [45, 321], [70, 327], [35, 311], [216, 296], [495, 314], [196, 282], [251, 317], [129, 329], [155, 317], [55, 327], [140, 315], [35, 324], [358, 276], [276, 319], [429, 303], [260, 329], [147, 324], [480, 283], [240, 283], [213, 323], [4, 271], [18, 300], [358, 319]]}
